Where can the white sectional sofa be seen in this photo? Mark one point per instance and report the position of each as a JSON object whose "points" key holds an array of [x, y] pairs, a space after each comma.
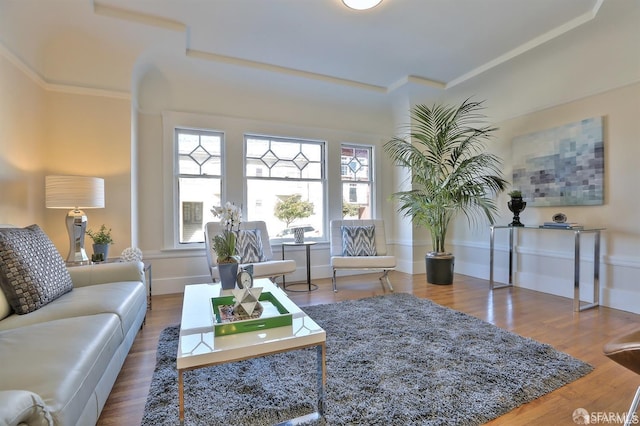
{"points": [[59, 362]]}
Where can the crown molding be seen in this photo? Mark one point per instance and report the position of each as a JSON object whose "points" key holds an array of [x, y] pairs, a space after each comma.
{"points": [[22, 66], [56, 87], [173, 25], [531, 44], [198, 54], [138, 17]]}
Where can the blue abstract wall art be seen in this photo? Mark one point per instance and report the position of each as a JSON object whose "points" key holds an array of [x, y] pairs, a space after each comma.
{"points": [[562, 166]]}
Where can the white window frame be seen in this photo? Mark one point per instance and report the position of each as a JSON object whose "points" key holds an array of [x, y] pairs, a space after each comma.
{"points": [[371, 180], [322, 180], [171, 202]]}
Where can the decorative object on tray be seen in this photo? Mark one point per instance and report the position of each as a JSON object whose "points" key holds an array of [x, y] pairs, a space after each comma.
{"points": [[245, 277], [516, 205], [101, 241], [228, 313], [224, 244], [131, 254], [268, 313], [247, 300], [298, 235], [559, 218]]}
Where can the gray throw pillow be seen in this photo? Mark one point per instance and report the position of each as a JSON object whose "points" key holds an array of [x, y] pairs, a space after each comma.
{"points": [[358, 240], [32, 272], [249, 246]]}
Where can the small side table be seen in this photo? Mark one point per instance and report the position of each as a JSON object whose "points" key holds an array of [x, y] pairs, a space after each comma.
{"points": [[307, 245]]}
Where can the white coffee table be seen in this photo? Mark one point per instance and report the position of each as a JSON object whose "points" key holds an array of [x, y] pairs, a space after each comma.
{"points": [[198, 347]]}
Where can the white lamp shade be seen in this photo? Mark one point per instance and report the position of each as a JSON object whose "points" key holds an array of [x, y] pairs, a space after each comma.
{"points": [[361, 4], [70, 192]]}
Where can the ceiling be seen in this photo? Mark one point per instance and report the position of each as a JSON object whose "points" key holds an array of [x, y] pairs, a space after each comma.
{"points": [[434, 43]]}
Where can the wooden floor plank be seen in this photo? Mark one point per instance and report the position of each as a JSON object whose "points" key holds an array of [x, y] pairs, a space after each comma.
{"points": [[543, 317]]}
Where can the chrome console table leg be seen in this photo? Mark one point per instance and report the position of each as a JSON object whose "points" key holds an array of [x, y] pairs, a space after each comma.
{"points": [[577, 305], [492, 284]]}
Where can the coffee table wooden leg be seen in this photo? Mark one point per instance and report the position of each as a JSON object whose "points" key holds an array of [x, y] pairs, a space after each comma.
{"points": [[321, 355], [181, 396]]}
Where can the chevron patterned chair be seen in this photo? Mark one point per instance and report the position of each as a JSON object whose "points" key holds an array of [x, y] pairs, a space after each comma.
{"points": [[254, 249], [360, 245]]}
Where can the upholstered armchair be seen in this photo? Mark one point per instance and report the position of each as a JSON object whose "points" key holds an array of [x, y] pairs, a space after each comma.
{"points": [[360, 245], [254, 249]]}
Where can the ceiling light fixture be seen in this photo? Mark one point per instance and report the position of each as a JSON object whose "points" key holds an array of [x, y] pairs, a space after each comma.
{"points": [[361, 4]]}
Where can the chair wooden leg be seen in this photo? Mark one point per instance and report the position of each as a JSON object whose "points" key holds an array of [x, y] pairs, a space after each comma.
{"points": [[385, 277], [335, 288]]}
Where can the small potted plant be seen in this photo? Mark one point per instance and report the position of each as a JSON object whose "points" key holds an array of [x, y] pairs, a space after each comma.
{"points": [[101, 241]]}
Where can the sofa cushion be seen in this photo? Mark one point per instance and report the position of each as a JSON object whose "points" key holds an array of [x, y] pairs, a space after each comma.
{"points": [[59, 361], [18, 407], [249, 246], [122, 299], [358, 240], [32, 272]]}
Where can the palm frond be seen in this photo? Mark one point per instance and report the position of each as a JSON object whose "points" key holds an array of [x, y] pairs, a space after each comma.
{"points": [[451, 171]]}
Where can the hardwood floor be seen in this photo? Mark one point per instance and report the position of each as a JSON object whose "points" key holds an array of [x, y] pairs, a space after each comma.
{"points": [[543, 317]]}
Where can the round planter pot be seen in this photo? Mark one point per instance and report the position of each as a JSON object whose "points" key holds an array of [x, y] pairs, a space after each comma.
{"points": [[228, 273], [439, 268], [100, 249]]}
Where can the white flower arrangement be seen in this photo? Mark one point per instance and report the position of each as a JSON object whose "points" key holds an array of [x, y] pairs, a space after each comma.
{"points": [[225, 244]]}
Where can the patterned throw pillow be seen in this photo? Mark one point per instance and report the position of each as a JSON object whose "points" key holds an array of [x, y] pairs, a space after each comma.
{"points": [[32, 272], [249, 246], [358, 240]]}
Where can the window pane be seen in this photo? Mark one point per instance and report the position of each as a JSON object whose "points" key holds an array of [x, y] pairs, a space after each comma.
{"points": [[199, 181], [355, 164], [284, 159], [357, 182], [356, 201], [263, 194], [197, 196], [187, 143], [213, 166], [199, 153], [278, 169]]}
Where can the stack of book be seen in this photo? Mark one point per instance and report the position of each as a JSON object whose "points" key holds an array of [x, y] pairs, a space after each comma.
{"points": [[563, 225]]}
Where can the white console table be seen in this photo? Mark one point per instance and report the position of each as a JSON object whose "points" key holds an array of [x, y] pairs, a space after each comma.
{"points": [[577, 232]]}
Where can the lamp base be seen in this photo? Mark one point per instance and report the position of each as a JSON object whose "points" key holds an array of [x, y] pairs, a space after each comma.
{"points": [[76, 226]]}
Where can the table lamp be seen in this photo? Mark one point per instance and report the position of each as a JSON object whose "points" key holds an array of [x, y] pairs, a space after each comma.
{"points": [[75, 193]]}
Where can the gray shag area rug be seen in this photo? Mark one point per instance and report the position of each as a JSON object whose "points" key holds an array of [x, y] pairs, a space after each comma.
{"points": [[393, 360]]}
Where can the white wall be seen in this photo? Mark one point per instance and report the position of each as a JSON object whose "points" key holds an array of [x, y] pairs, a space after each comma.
{"points": [[22, 131]]}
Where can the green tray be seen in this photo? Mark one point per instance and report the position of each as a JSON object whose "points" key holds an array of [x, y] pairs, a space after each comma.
{"points": [[282, 318]]}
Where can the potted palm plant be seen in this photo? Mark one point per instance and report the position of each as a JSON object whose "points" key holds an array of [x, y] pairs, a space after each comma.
{"points": [[450, 173]]}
